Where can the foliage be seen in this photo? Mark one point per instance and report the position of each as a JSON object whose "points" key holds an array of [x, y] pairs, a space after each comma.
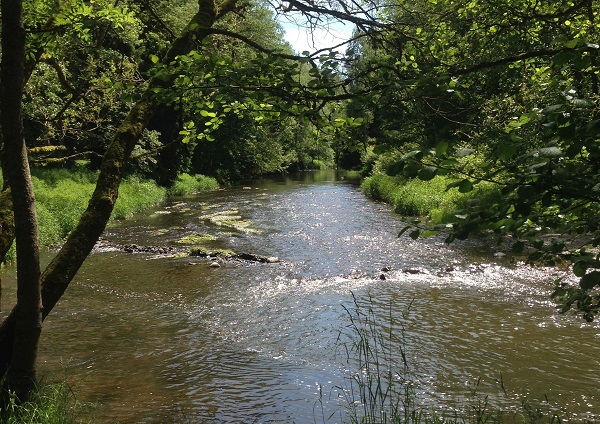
{"points": [[514, 86], [413, 197], [188, 184], [50, 404], [135, 195]]}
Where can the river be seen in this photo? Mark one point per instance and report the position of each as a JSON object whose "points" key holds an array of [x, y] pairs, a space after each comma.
{"points": [[151, 338]]}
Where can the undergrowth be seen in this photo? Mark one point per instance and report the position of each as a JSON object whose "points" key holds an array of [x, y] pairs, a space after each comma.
{"points": [[189, 184]]}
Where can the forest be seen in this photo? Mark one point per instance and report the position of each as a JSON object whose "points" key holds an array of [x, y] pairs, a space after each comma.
{"points": [[491, 105]]}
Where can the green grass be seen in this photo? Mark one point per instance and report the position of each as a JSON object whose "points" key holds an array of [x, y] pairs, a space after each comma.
{"points": [[62, 196], [423, 198], [189, 184], [51, 404]]}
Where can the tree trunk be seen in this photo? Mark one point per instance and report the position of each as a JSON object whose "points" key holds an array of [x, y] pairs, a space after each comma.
{"points": [[21, 373], [62, 269]]}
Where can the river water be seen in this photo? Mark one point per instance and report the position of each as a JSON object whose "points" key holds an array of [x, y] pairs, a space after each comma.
{"points": [[145, 338]]}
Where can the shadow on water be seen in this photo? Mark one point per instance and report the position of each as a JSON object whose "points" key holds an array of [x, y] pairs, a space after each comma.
{"points": [[159, 338]]}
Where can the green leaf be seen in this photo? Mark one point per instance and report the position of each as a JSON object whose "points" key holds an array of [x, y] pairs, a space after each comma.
{"points": [[427, 173], [465, 186], [518, 247], [428, 233], [441, 148], [550, 152], [507, 150], [580, 268], [589, 281], [415, 234], [405, 229]]}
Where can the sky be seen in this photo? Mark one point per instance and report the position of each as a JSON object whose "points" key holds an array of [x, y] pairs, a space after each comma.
{"points": [[301, 39]]}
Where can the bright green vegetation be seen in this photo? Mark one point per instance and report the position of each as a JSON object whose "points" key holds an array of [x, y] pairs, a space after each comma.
{"points": [[197, 239], [51, 404], [188, 184], [62, 196], [414, 197]]}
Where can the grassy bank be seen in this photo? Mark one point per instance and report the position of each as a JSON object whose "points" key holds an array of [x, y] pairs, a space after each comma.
{"points": [[51, 404], [62, 196], [414, 197]]}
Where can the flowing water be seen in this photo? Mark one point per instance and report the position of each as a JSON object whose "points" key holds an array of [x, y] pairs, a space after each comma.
{"points": [[147, 338]]}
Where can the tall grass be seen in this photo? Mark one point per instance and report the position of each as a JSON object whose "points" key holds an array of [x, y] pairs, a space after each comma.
{"points": [[382, 388], [62, 196], [189, 184], [423, 198], [52, 404], [379, 387]]}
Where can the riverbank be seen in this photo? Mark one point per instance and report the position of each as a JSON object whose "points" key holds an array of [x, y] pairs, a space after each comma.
{"points": [[62, 196], [415, 197]]}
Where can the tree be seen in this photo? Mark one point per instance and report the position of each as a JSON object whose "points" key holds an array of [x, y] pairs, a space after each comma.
{"points": [[62, 269], [510, 93], [21, 372], [266, 87]]}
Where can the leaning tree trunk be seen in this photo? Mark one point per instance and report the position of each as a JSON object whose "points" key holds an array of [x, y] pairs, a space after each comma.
{"points": [[20, 376], [62, 269]]}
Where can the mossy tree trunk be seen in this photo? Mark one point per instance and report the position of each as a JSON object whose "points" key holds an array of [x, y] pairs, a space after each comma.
{"points": [[59, 273], [20, 375]]}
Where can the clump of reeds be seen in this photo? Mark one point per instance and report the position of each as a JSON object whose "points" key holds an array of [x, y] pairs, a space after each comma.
{"points": [[381, 387]]}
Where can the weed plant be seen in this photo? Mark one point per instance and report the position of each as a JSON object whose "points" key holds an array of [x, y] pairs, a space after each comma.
{"points": [[381, 387], [189, 184], [51, 404]]}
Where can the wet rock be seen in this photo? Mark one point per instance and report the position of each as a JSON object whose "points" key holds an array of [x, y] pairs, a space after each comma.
{"points": [[155, 250], [215, 265], [257, 258]]}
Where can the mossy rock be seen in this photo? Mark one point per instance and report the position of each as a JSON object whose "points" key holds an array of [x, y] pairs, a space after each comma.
{"points": [[197, 239], [230, 219], [211, 253]]}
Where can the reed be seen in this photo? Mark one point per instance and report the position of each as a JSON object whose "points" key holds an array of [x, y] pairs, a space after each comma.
{"points": [[381, 388]]}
